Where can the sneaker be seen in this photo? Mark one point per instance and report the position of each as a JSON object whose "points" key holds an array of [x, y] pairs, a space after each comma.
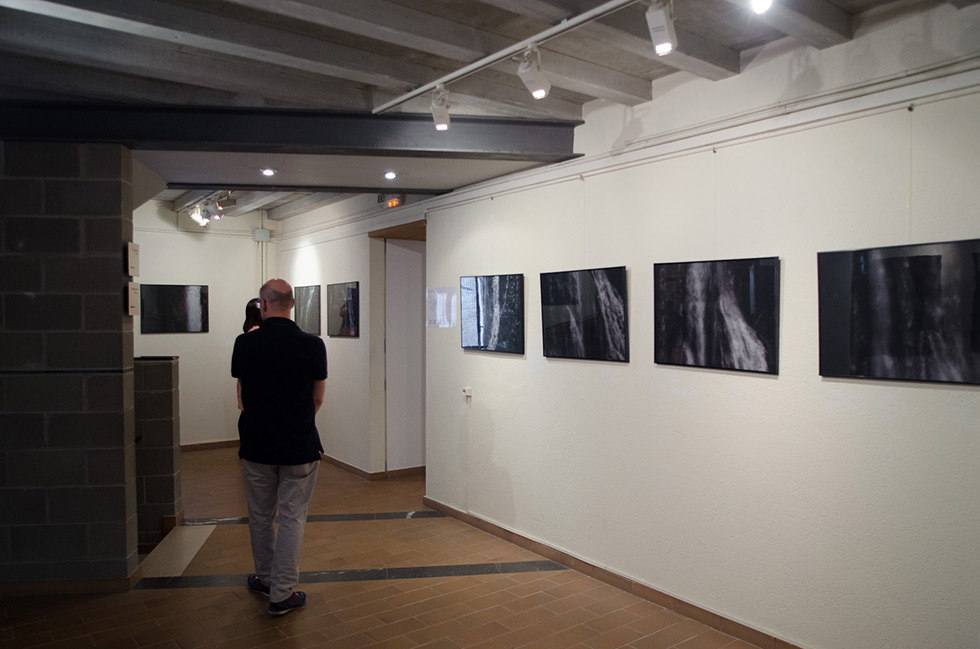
{"points": [[256, 586], [296, 600]]}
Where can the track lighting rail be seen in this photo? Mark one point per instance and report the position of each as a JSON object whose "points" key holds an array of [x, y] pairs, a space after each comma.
{"points": [[515, 49]]}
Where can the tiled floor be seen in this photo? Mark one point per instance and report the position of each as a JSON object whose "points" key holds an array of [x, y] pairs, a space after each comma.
{"points": [[372, 581]]}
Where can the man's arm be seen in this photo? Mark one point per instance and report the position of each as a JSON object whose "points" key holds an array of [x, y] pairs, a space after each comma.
{"points": [[319, 387], [238, 389]]}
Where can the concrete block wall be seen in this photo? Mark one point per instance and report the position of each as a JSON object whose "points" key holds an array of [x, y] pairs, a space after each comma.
{"points": [[67, 454], [157, 393]]}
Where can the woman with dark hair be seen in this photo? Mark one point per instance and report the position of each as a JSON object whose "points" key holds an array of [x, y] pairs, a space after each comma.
{"points": [[253, 315]]}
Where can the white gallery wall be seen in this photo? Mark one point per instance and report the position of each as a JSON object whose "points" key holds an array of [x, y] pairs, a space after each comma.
{"points": [[224, 257], [835, 514], [345, 420]]}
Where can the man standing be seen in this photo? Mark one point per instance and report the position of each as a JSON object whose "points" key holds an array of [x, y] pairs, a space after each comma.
{"points": [[281, 373]]}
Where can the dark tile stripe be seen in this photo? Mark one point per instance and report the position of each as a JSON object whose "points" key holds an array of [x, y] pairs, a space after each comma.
{"points": [[325, 518], [374, 574]]}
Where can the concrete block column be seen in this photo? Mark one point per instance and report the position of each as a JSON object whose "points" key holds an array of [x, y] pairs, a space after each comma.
{"points": [[157, 393], [67, 456]]}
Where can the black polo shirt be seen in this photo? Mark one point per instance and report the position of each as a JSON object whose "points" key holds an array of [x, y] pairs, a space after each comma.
{"points": [[277, 365]]}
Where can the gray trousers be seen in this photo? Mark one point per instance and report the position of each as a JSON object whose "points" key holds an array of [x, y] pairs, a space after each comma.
{"points": [[289, 488]]}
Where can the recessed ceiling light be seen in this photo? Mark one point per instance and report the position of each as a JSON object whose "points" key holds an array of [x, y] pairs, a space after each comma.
{"points": [[390, 175], [269, 171]]}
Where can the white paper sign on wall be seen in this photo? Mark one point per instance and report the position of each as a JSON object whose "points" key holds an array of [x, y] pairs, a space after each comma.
{"points": [[440, 307]]}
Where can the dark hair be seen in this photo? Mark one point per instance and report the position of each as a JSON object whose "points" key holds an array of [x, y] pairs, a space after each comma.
{"points": [[253, 315]]}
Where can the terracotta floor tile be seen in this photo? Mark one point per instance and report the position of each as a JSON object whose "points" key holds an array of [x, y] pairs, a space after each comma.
{"points": [[710, 639], [526, 617], [613, 620], [656, 621], [523, 636], [27, 641], [614, 639], [478, 634], [388, 631], [671, 635], [432, 632], [442, 643]]}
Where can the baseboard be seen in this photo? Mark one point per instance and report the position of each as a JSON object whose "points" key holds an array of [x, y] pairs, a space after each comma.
{"points": [[73, 586], [405, 473], [168, 523], [350, 468], [382, 475], [207, 446], [742, 632]]}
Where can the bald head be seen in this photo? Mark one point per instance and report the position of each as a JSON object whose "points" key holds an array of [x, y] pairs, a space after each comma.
{"points": [[277, 299]]}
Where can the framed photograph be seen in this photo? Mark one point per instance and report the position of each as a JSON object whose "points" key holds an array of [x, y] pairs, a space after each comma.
{"points": [[492, 313], [909, 313], [342, 310], [308, 308], [584, 314], [718, 314], [172, 308]]}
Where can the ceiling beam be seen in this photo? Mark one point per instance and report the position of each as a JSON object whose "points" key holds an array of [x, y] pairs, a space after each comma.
{"points": [[100, 85], [189, 199], [693, 54], [305, 204], [392, 23], [250, 201], [627, 31], [817, 23], [65, 43], [187, 27], [289, 131]]}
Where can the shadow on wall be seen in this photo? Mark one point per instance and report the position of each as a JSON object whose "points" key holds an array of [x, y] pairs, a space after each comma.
{"points": [[971, 35], [632, 129], [861, 63], [479, 461], [803, 77]]}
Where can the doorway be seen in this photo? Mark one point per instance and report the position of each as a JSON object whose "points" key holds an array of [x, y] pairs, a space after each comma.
{"points": [[404, 352]]}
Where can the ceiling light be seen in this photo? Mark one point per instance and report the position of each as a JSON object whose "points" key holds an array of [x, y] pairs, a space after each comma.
{"points": [[226, 203], [198, 216], [531, 74], [391, 175], [761, 6], [440, 108], [269, 171], [660, 21]]}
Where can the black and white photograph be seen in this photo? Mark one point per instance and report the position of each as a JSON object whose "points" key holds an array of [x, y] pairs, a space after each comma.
{"points": [[173, 308], [343, 303], [901, 312], [584, 314], [492, 313], [307, 311], [718, 314]]}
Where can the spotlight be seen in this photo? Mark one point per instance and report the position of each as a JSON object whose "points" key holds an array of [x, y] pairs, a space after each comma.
{"points": [[269, 171], [660, 21], [198, 216], [212, 211], [531, 74], [225, 203], [391, 175], [761, 6], [440, 108]]}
